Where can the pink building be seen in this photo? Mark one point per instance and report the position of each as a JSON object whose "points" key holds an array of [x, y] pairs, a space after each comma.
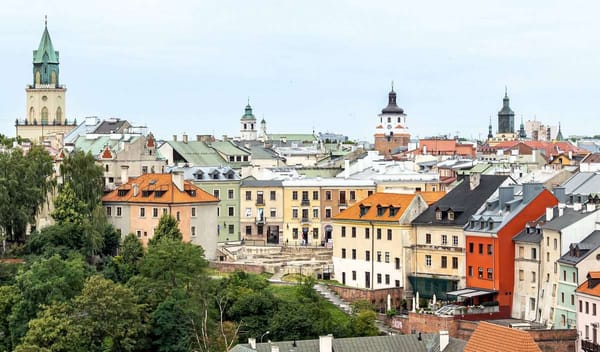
{"points": [[588, 314]]}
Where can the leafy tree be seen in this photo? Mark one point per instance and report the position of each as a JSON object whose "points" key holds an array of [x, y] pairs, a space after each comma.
{"points": [[67, 207], [8, 297], [168, 227], [124, 266], [48, 280], [363, 319], [85, 177], [253, 311], [171, 328]]}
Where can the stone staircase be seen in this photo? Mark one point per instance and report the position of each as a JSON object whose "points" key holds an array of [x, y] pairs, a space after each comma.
{"points": [[333, 298]]}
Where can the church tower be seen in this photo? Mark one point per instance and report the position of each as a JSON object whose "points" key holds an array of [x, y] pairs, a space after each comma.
{"points": [[391, 133], [45, 97], [248, 124], [506, 117]]}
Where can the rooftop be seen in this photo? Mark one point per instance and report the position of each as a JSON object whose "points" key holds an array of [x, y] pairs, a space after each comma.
{"points": [[497, 338]]}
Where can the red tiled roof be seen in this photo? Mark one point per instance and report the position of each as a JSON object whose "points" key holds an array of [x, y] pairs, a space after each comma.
{"points": [[497, 338], [158, 188], [386, 200]]}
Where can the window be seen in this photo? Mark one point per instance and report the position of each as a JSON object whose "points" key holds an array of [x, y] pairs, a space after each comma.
{"points": [[295, 195], [450, 215], [480, 272], [343, 252], [481, 248], [444, 240], [217, 194], [327, 195], [353, 253], [547, 256], [259, 197], [438, 214], [352, 195], [142, 212], [444, 262], [273, 195], [327, 213], [367, 233], [521, 252], [455, 240], [368, 256], [397, 283], [521, 275], [248, 230], [387, 279], [389, 234], [397, 262], [454, 262], [295, 234], [230, 211], [470, 247], [273, 212], [315, 232], [562, 297], [490, 249], [139, 233], [248, 195], [564, 275], [470, 271], [379, 256], [555, 244], [533, 275], [295, 213], [354, 275], [532, 304], [378, 278], [155, 212], [572, 300], [304, 215], [580, 306], [490, 273], [315, 195], [594, 309], [574, 277], [315, 212], [230, 194], [343, 231], [193, 230], [231, 229], [378, 234], [343, 278], [387, 257], [108, 211], [587, 307], [427, 260], [353, 232], [305, 196]]}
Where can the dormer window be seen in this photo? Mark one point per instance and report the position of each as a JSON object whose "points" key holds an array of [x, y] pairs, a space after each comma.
{"points": [[199, 175], [438, 214], [363, 210], [122, 192], [450, 215], [380, 210], [393, 211], [490, 224]]}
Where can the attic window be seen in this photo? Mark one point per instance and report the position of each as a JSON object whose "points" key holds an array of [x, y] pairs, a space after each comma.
{"points": [[198, 175], [363, 210], [490, 224], [146, 193], [393, 211], [122, 192], [380, 210], [191, 192], [450, 215], [472, 223], [158, 194], [438, 214]]}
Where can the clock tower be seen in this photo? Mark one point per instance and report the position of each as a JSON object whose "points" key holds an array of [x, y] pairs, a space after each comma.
{"points": [[391, 133]]}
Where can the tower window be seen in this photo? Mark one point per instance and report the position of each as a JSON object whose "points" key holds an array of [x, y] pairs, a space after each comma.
{"points": [[44, 115]]}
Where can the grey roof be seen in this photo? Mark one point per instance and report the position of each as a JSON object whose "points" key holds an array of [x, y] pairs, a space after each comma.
{"points": [[197, 153], [568, 218], [586, 246], [582, 183], [109, 126], [206, 173], [462, 200], [529, 235], [389, 343], [252, 182]]}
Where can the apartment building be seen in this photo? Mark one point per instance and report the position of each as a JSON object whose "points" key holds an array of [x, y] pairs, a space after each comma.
{"points": [[261, 206]]}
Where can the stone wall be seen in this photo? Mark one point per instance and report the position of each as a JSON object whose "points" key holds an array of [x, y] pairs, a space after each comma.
{"points": [[226, 267], [377, 297], [557, 340]]}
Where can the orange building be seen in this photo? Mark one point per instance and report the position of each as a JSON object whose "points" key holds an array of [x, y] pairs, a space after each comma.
{"points": [[137, 205], [489, 245]]}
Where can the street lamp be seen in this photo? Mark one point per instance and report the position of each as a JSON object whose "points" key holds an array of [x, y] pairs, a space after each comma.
{"points": [[263, 335]]}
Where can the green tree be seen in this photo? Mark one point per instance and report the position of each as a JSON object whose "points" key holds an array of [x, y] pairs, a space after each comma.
{"points": [[47, 281], [168, 227], [363, 319], [126, 265], [8, 297], [85, 177], [67, 207]]}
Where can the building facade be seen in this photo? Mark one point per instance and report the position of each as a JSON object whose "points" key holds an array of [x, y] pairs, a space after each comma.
{"points": [[391, 131], [588, 312], [262, 208]]}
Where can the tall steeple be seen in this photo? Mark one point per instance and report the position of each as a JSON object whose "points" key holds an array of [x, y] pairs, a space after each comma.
{"points": [[490, 135], [506, 117], [522, 133], [248, 124], [559, 136], [392, 107], [45, 61]]}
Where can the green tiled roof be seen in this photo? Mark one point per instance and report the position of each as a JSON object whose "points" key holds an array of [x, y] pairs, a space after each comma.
{"points": [[198, 153], [228, 148], [292, 137], [96, 146], [45, 47]]}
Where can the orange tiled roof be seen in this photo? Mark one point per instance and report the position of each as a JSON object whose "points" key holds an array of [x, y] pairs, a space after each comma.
{"points": [[584, 287], [497, 338], [158, 188], [432, 197], [383, 200], [594, 274]]}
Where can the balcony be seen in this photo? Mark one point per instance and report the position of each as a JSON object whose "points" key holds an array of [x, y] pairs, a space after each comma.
{"points": [[305, 202], [260, 201], [589, 346], [260, 220], [305, 220]]}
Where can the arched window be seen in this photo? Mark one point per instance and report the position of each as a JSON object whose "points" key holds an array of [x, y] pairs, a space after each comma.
{"points": [[31, 114], [53, 77], [44, 115], [58, 115], [38, 77]]}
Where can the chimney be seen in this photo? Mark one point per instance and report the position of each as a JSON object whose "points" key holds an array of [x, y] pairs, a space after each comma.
{"points": [[549, 213], [174, 138], [184, 138], [136, 189], [252, 342], [124, 174], [346, 168], [474, 180], [326, 343], [274, 348], [531, 190], [570, 155], [590, 207], [177, 177], [505, 194], [561, 210], [444, 340]]}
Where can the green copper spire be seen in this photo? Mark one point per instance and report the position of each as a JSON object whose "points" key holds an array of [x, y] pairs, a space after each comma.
{"points": [[248, 115], [45, 61]]}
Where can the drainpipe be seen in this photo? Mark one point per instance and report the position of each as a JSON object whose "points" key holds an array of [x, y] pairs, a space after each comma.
{"points": [[372, 254], [537, 301]]}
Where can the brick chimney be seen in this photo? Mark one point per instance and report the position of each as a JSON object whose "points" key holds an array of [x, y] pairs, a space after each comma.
{"points": [[124, 174], [177, 177]]}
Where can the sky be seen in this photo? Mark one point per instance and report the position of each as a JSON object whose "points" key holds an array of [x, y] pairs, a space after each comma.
{"points": [[190, 66]]}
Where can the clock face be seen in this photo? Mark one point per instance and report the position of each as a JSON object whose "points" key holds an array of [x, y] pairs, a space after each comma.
{"points": [[389, 127]]}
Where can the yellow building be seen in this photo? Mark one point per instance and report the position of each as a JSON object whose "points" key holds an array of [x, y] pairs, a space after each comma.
{"points": [[371, 239], [261, 211]]}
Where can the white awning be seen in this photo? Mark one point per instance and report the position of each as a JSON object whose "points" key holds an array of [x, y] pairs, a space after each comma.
{"points": [[470, 292]]}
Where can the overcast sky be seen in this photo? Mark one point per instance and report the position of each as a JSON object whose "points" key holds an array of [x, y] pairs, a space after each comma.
{"points": [[189, 66]]}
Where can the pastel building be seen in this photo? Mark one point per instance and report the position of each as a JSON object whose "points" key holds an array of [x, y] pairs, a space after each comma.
{"points": [[138, 203], [588, 312]]}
